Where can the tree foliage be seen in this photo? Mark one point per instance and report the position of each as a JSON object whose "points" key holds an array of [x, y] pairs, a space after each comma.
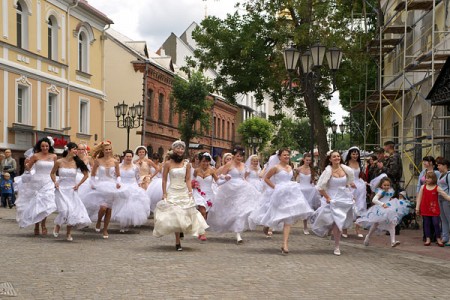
{"points": [[191, 102], [293, 134], [246, 49], [258, 128]]}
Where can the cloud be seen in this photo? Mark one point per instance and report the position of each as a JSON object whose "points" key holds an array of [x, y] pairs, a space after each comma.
{"points": [[154, 20]]}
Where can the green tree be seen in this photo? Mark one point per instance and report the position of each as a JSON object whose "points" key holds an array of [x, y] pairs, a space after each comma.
{"points": [[246, 49], [293, 134], [256, 128], [190, 99]]}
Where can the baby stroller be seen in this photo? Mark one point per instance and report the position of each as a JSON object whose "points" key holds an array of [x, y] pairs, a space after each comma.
{"points": [[410, 220]]}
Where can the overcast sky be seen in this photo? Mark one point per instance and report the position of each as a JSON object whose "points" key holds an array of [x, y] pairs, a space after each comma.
{"points": [[154, 20]]}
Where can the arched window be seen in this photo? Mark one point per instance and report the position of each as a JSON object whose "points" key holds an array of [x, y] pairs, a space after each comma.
{"points": [[161, 152], [149, 151], [22, 24], [52, 38], [161, 107], [83, 52], [150, 104]]}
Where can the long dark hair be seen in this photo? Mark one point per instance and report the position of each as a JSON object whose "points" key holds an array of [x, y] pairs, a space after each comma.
{"points": [[37, 147], [311, 166], [78, 162], [328, 159], [349, 156]]}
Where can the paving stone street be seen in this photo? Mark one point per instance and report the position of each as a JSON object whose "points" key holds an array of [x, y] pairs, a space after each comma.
{"points": [[136, 265]]}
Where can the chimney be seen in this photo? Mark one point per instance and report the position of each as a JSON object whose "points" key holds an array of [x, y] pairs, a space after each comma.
{"points": [[162, 52]]}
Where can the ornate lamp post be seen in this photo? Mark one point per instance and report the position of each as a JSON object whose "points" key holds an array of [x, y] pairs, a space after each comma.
{"points": [[129, 118], [311, 61]]}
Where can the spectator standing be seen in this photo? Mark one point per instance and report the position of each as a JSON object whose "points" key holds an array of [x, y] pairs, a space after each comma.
{"points": [[393, 166], [6, 186], [9, 164]]}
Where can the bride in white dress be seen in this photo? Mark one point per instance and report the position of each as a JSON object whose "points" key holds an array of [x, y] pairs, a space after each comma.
{"points": [[253, 172], [235, 199], [283, 203], [36, 199], [306, 179], [133, 209], [204, 177], [154, 190], [336, 211], [71, 210], [177, 213]]}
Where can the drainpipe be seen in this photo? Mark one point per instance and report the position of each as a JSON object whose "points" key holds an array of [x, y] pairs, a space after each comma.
{"points": [[104, 100], [145, 102], [75, 4]]}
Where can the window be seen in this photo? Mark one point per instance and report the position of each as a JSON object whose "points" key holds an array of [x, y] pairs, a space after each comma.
{"points": [[23, 104], [223, 129], [417, 139], [82, 52], [22, 25], [232, 131], [52, 38], [150, 150], [149, 103], [84, 117], [228, 131], [160, 107], [52, 111], [161, 152], [171, 112], [213, 131], [218, 128]]}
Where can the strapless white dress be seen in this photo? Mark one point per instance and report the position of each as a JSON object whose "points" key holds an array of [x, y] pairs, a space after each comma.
{"points": [[204, 195], [36, 199], [234, 202], [178, 213], [338, 211], [283, 205], [254, 179], [133, 209], [71, 210], [309, 190], [102, 193]]}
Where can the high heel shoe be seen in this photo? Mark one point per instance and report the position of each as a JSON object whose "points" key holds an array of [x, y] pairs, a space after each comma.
{"points": [[69, 238], [55, 234], [178, 247], [284, 251]]}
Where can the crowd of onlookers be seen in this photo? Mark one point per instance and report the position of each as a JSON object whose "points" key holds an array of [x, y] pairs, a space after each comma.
{"points": [[8, 169]]}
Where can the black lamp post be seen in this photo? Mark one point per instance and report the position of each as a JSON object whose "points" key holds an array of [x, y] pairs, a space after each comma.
{"points": [[254, 142], [129, 118], [311, 62], [334, 128]]}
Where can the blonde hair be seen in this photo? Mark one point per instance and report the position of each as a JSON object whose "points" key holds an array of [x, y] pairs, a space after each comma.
{"points": [[98, 151], [225, 157]]}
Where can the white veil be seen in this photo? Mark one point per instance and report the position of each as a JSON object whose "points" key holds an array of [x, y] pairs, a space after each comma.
{"points": [[248, 162], [273, 161], [135, 156]]}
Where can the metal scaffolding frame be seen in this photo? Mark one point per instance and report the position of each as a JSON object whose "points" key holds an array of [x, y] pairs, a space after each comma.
{"points": [[408, 58]]}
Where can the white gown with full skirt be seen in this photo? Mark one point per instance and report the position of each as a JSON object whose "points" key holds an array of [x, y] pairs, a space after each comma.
{"points": [[235, 200], [283, 205], [359, 194], [393, 214], [339, 211], [309, 190], [154, 190], [254, 179], [178, 213], [133, 209], [71, 210], [36, 199]]}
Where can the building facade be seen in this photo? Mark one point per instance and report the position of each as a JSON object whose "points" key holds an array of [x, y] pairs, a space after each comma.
{"points": [[51, 72]]}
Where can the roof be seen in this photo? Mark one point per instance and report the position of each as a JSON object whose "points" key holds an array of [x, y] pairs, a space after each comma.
{"points": [[84, 4]]}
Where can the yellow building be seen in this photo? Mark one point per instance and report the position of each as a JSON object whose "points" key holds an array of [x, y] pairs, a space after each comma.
{"points": [[51, 72], [411, 48]]}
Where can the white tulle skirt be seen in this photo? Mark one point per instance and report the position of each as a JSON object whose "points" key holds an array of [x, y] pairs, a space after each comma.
{"points": [[100, 194], [71, 211], [154, 192], [257, 183], [338, 211], [393, 214], [36, 200], [132, 210], [311, 195], [359, 195], [234, 202], [171, 218], [283, 205]]}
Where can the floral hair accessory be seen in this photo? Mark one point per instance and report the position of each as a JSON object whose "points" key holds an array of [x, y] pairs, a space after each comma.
{"points": [[66, 148], [207, 155], [52, 142]]}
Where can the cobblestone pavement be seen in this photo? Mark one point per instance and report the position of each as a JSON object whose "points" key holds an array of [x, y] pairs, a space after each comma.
{"points": [[137, 265]]}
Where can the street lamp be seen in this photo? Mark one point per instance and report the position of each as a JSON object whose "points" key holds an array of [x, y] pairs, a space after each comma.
{"points": [[311, 62], [334, 128], [254, 142], [129, 118]]}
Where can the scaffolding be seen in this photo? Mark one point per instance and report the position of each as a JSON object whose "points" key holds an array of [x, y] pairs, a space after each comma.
{"points": [[410, 48]]}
